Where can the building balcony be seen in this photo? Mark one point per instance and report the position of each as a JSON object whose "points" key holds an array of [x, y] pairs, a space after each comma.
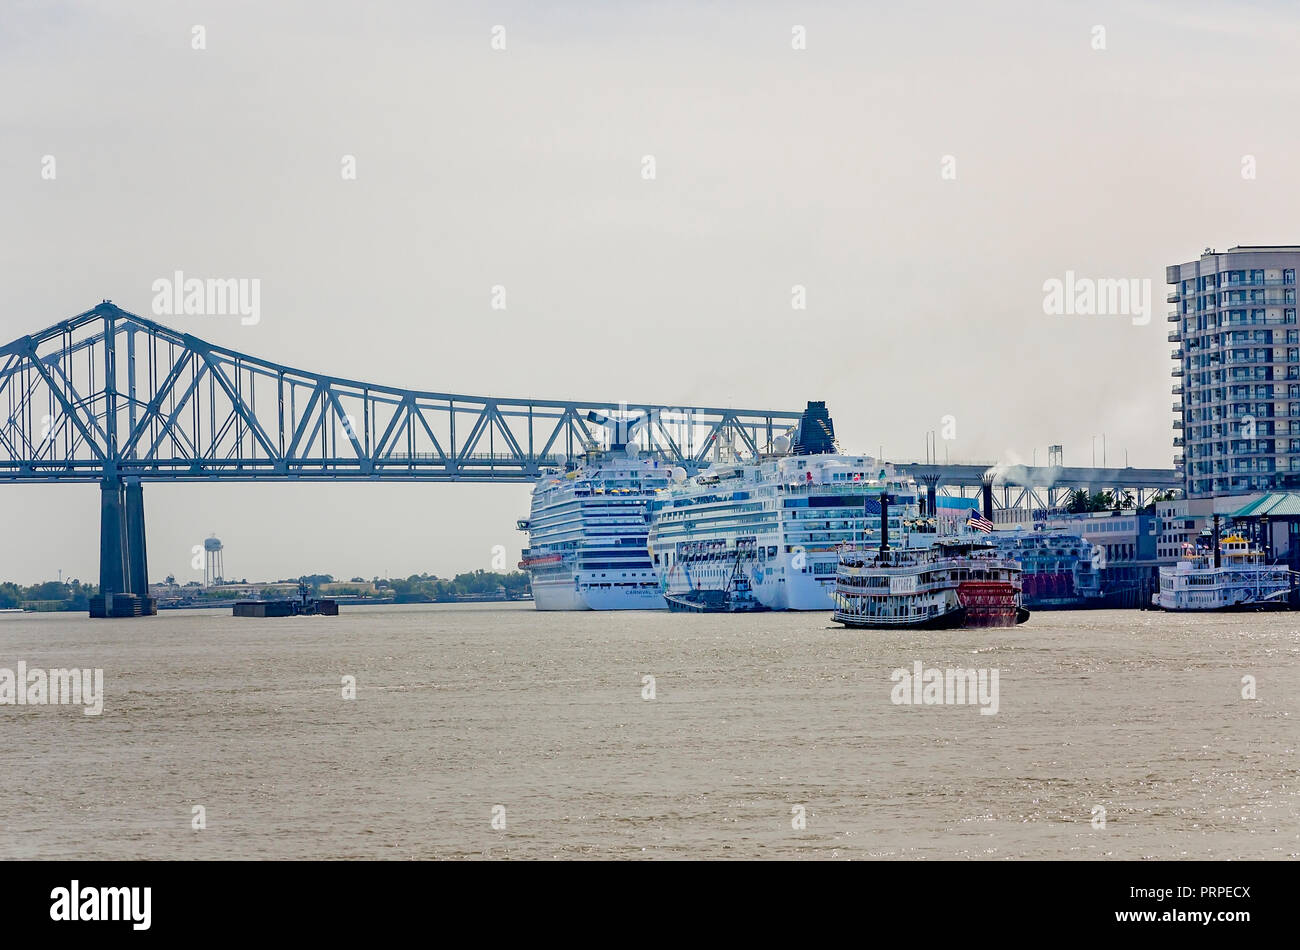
{"points": [[1173, 336], [1177, 354], [1176, 389], [1271, 282], [1178, 407], [1176, 371], [1178, 441], [1174, 317], [1178, 423], [1173, 297]]}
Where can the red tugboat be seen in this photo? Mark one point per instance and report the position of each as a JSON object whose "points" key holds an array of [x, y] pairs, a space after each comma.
{"points": [[958, 582]]}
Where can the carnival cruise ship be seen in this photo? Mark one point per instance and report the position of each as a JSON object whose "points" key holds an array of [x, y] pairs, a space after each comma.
{"points": [[587, 534], [773, 527]]}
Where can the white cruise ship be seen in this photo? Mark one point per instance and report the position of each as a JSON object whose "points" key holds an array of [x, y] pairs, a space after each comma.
{"points": [[587, 535], [1239, 578], [773, 527]]}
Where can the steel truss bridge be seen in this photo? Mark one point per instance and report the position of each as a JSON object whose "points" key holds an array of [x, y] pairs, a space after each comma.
{"points": [[1032, 487], [113, 398]]}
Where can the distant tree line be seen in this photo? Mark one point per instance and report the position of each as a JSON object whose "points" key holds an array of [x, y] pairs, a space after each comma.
{"points": [[416, 589], [50, 595], [425, 588], [429, 588]]}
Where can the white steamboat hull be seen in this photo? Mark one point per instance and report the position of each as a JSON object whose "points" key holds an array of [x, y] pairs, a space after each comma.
{"points": [[1224, 589], [1243, 601]]}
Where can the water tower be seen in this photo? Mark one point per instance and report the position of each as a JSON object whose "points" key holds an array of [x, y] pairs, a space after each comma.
{"points": [[213, 568]]}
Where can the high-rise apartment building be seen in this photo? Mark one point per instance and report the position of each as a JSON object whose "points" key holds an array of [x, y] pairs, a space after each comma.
{"points": [[1236, 370]]}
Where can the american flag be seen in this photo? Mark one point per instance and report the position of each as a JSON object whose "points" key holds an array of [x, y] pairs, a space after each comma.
{"points": [[977, 522]]}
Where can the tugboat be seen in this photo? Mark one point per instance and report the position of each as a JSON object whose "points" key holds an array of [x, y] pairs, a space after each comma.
{"points": [[736, 598], [958, 582]]}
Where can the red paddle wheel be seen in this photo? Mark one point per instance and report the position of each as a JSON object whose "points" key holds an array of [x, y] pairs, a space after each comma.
{"points": [[988, 603]]}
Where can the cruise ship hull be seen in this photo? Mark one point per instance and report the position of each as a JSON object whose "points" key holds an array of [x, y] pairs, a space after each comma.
{"points": [[563, 594], [556, 595], [777, 585]]}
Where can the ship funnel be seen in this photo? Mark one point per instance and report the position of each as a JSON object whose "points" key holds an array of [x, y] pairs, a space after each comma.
{"points": [[621, 431], [815, 434]]}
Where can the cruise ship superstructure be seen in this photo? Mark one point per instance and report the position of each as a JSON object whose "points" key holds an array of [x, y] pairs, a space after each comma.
{"points": [[587, 534], [774, 526]]}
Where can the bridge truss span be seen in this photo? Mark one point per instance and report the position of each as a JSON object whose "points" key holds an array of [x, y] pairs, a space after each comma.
{"points": [[108, 394], [111, 397]]}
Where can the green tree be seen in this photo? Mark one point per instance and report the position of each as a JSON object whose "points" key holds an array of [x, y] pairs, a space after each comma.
{"points": [[11, 595]]}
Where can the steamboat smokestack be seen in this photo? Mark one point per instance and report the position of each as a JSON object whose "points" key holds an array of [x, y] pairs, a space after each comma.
{"points": [[884, 522], [1215, 542], [931, 495], [987, 493]]}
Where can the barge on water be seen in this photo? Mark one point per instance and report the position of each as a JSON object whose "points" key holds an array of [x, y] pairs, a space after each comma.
{"points": [[304, 606]]}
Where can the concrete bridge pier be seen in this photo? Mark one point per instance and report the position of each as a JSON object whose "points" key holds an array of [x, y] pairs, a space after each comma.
{"points": [[123, 560], [137, 559]]}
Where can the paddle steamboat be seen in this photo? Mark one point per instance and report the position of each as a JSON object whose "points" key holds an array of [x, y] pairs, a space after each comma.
{"points": [[1235, 575], [959, 581]]}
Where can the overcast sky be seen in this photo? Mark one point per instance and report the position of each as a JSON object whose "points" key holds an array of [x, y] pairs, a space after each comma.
{"points": [[822, 167]]}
